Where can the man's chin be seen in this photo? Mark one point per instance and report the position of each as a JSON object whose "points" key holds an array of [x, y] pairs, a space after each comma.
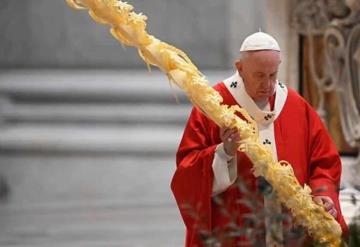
{"points": [[261, 97]]}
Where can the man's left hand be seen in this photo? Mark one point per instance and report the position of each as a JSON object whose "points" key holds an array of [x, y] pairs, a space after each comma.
{"points": [[327, 203]]}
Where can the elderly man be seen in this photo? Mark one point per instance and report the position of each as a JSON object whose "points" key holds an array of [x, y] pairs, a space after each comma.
{"points": [[219, 198]]}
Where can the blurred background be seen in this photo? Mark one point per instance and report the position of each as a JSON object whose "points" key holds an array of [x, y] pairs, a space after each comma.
{"points": [[47, 34], [88, 136]]}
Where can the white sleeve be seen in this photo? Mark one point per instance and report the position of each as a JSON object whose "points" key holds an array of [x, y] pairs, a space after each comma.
{"points": [[225, 170]]}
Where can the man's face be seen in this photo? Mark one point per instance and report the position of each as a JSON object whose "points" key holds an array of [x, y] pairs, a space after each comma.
{"points": [[259, 69]]}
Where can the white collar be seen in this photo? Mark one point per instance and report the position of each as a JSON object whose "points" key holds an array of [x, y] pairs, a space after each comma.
{"points": [[236, 87]]}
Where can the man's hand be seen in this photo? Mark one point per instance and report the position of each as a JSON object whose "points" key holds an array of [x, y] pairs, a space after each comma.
{"points": [[327, 203], [230, 138]]}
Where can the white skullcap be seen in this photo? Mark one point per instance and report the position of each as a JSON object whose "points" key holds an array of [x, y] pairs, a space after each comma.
{"points": [[259, 41]]}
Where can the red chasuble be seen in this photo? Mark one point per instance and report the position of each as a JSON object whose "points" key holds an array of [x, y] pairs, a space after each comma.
{"points": [[301, 139]]}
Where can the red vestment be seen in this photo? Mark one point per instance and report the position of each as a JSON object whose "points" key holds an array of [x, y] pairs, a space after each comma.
{"points": [[301, 139]]}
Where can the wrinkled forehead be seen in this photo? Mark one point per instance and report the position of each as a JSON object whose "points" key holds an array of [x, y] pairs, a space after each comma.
{"points": [[261, 55]]}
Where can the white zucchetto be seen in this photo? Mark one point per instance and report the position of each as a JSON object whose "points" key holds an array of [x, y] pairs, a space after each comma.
{"points": [[259, 41]]}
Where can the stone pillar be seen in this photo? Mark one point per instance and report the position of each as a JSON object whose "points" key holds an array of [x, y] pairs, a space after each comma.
{"points": [[278, 24]]}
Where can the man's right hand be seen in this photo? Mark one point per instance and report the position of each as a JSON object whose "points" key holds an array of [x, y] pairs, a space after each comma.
{"points": [[230, 139]]}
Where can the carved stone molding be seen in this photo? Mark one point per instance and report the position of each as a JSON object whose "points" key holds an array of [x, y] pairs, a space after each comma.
{"points": [[338, 21], [315, 15]]}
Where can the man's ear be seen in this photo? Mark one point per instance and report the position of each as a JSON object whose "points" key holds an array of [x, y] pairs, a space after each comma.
{"points": [[238, 65]]}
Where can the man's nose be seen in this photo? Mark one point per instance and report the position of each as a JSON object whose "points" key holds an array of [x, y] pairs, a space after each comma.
{"points": [[267, 81]]}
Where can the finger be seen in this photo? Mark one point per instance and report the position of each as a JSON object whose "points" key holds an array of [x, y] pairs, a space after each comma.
{"points": [[228, 139], [235, 137], [223, 131], [328, 205], [224, 134], [325, 202], [235, 130], [318, 200], [333, 212], [227, 133], [231, 135]]}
